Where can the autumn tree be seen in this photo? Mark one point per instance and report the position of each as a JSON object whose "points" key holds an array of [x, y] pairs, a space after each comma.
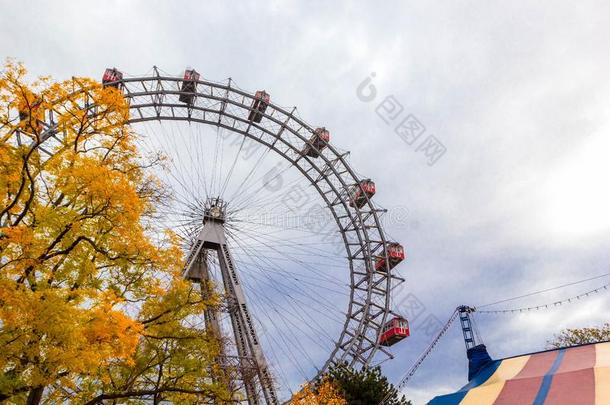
{"points": [[92, 305], [579, 336], [322, 393]]}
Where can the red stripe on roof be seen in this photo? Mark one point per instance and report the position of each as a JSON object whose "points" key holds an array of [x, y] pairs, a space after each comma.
{"points": [[574, 381], [523, 388]]}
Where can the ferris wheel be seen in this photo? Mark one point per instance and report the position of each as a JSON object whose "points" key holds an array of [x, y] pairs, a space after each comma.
{"points": [[273, 217]]}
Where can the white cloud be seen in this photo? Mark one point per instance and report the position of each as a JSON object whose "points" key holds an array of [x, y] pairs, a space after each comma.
{"points": [[514, 90]]}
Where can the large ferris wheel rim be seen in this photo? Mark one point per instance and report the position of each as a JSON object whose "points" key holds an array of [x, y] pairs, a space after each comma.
{"points": [[360, 343]]}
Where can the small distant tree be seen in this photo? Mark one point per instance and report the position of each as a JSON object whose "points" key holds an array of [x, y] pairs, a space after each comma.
{"points": [[324, 393], [366, 386], [579, 336]]}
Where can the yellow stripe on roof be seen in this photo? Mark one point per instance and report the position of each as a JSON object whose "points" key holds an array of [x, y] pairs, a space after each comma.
{"points": [[602, 373], [488, 392]]}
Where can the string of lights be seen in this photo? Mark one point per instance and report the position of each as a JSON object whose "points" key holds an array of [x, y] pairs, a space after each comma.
{"points": [[565, 301], [570, 284]]}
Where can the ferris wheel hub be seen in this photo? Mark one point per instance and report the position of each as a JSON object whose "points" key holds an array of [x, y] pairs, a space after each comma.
{"points": [[214, 209]]}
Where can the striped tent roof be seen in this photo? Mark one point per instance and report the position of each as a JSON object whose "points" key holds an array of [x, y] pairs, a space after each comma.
{"points": [[578, 375]]}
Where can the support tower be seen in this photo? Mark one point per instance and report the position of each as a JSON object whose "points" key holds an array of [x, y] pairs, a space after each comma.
{"points": [[250, 358]]}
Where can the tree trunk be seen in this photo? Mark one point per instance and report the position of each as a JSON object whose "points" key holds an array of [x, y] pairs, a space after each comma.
{"points": [[35, 396]]}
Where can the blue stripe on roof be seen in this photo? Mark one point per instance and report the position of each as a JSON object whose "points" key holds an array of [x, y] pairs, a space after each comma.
{"points": [[482, 375], [450, 399], [480, 378], [548, 379]]}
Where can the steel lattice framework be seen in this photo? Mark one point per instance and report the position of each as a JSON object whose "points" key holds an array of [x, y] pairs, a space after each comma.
{"points": [[156, 98]]}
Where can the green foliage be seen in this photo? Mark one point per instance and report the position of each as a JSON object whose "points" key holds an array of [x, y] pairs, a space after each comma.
{"points": [[364, 387], [579, 336]]}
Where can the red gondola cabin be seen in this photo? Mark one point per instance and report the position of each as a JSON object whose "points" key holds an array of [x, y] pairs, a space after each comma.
{"points": [[111, 77], [317, 142], [259, 105], [394, 331], [396, 254], [189, 86], [359, 193]]}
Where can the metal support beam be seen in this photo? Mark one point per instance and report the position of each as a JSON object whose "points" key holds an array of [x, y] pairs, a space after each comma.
{"points": [[464, 313], [255, 372]]}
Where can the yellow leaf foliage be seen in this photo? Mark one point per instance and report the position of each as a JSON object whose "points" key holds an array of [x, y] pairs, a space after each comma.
{"points": [[324, 394], [91, 298]]}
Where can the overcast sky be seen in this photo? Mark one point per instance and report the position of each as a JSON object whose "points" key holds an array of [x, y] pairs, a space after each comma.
{"points": [[517, 93]]}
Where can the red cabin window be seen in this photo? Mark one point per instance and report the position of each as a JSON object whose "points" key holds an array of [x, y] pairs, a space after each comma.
{"points": [[394, 331], [191, 75], [317, 142], [396, 251], [368, 186], [322, 134], [263, 96], [396, 254], [259, 105], [189, 86], [111, 75], [360, 192]]}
